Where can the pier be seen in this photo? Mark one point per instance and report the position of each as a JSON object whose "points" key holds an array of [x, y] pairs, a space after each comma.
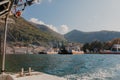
{"points": [[33, 76]]}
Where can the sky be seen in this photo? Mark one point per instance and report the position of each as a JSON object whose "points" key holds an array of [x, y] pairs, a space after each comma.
{"points": [[85, 15]]}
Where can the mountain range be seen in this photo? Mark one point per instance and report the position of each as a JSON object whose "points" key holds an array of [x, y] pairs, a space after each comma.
{"points": [[21, 30], [46, 29], [83, 37]]}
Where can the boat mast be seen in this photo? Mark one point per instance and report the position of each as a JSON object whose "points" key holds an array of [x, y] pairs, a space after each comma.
{"points": [[5, 36], [4, 44]]}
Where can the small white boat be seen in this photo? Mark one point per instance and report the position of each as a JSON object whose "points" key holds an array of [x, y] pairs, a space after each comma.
{"points": [[114, 50], [77, 52], [52, 51]]}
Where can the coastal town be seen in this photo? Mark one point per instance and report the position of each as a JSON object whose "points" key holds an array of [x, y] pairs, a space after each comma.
{"points": [[71, 48], [95, 47]]}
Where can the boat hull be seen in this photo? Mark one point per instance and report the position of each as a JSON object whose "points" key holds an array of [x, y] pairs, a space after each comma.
{"points": [[110, 52]]}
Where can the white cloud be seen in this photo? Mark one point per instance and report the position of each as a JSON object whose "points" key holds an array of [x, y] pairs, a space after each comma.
{"points": [[34, 20], [64, 29], [53, 28]]}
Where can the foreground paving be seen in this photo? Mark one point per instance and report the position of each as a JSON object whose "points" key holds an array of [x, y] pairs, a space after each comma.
{"points": [[33, 76]]}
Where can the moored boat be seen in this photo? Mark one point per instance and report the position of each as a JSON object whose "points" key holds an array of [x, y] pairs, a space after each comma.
{"points": [[114, 50], [64, 51], [77, 52]]}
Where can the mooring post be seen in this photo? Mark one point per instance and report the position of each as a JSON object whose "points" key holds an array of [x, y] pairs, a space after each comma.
{"points": [[29, 71]]}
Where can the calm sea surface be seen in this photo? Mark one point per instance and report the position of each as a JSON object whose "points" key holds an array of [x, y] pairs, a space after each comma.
{"points": [[72, 67]]}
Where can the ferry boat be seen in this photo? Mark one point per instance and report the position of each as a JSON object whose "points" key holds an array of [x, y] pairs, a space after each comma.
{"points": [[70, 51], [114, 50], [64, 51]]}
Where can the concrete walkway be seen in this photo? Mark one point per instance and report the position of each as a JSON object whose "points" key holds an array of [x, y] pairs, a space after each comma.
{"points": [[33, 76]]}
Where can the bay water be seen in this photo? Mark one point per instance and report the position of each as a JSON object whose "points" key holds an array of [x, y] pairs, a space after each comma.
{"points": [[71, 67]]}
